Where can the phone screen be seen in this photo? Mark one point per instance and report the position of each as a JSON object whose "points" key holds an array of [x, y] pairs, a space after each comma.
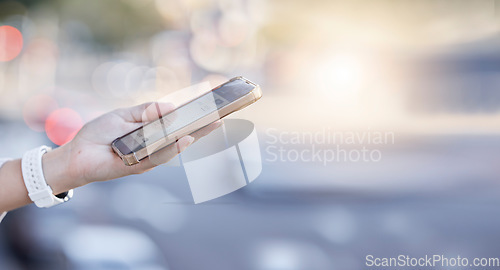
{"points": [[184, 115]]}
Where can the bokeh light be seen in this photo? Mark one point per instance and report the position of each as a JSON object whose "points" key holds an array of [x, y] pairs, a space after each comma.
{"points": [[37, 109], [39, 59], [62, 125], [11, 43], [100, 80], [215, 79], [117, 79], [233, 28], [173, 12], [346, 70], [340, 73]]}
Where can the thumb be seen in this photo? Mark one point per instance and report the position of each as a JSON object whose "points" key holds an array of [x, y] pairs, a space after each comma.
{"points": [[184, 143], [145, 112]]}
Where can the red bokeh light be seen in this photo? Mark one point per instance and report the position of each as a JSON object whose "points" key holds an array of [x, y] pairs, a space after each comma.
{"points": [[11, 43], [37, 109], [62, 125]]}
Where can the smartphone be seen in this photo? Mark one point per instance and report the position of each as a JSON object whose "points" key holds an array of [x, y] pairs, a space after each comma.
{"points": [[231, 96]]}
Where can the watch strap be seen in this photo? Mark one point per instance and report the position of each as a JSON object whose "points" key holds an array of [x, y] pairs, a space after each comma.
{"points": [[38, 190]]}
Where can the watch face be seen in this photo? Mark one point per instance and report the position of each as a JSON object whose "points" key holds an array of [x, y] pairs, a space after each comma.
{"points": [[62, 195]]}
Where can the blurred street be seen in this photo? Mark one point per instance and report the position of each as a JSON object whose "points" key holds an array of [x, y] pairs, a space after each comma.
{"points": [[415, 85]]}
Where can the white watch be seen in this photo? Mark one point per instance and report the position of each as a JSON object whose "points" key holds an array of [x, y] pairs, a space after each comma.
{"points": [[38, 190]]}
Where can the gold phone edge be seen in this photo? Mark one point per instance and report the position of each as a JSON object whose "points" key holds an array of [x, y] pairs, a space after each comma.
{"points": [[136, 157]]}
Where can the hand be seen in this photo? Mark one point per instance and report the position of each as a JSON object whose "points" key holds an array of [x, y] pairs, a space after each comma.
{"points": [[89, 157]]}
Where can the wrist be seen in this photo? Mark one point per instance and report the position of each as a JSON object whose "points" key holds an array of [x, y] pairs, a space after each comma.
{"points": [[57, 170]]}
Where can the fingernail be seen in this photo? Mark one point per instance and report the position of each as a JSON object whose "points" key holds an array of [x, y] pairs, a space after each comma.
{"points": [[190, 140], [218, 123]]}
